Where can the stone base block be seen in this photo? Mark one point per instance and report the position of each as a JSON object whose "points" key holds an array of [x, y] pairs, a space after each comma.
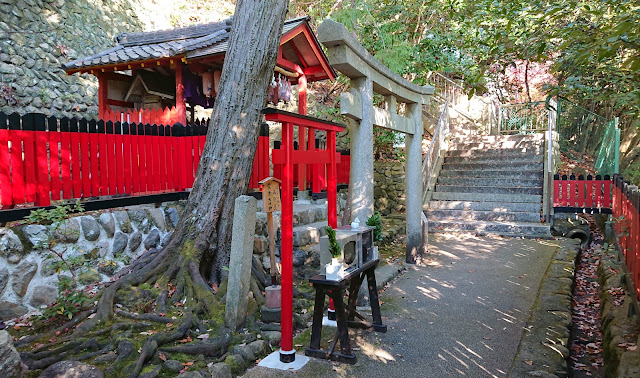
{"points": [[270, 315], [272, 294]]}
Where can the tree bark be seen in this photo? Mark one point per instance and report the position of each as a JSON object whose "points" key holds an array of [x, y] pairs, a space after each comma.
{"points": [[227, 160], [200, 245]]}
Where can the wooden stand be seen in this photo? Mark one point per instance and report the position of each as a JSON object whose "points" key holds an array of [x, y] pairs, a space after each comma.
{"points": [[345, 316]]}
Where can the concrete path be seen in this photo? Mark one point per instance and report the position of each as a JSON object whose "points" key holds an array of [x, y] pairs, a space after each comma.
{"points": [[461, 314]]}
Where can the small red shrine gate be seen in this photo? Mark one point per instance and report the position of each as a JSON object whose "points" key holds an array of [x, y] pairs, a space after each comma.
{"points": [[287, 156]]}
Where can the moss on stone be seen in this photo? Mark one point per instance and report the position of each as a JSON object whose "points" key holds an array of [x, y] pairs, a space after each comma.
{"points": [[236, 366]]}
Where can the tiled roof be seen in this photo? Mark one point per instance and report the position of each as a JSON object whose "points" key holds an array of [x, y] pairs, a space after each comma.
{"points": [[192, 41]]}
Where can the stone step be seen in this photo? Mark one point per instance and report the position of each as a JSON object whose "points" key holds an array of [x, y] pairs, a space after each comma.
{"points": [[493, 145], [491, 228], [520, 174], [487, 197], [484, 206], [525, 151], [308, 234], [499, 138], [497, 181], [488, 189], [500, 166], [469, 215], [493, 159]]}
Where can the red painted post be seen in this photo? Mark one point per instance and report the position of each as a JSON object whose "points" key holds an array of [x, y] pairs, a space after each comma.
{"points": [[84, 160], [581, 184], [287, 353], [302, 131], [65, 158], [103, 95], [126, 158], [29, 142], [607, 193], [54, 152], [162, 158], [142, 158], [102, 142], [43, 188], [332, 180], [75, 159], [155, 153], [94, 145], [556, 191], [119, 159], [589, 194], [6, 192]]}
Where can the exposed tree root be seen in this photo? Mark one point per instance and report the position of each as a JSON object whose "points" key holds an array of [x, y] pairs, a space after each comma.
{"points": [[149, 317], [213, 348]]}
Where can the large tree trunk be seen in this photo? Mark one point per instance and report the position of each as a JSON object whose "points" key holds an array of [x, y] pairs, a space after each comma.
{"points": [[201, 243]]}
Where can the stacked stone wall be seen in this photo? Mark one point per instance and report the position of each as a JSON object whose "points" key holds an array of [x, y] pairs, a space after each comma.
{"points": [[37, 37], [100, 243], [389, 189]]}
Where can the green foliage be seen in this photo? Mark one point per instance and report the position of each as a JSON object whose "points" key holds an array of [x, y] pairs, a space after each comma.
{"points": [[53, 216], [376, 221], [70, 301], [56, 217], [334, 248]]}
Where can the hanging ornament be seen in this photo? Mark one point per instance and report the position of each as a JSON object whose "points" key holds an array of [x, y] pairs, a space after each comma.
{"points": [[207, 84]]}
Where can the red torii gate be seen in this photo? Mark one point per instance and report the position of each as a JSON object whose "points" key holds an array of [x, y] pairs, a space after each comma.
{"points": [[288, 157]]}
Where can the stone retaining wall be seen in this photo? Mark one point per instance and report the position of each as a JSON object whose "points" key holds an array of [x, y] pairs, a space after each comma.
{"points": [[389, 189], [37, 37], [106, 240], [544, 347], [620, 321]]}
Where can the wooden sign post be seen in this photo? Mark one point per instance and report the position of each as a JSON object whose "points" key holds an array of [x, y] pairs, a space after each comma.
{"points": [[271, 202]]}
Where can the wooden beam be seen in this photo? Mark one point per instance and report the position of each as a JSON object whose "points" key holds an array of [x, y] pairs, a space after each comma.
{"points": [[123, 104]]}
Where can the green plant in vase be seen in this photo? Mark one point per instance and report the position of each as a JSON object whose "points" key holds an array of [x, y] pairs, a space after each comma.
{"points": [[334, 270]]}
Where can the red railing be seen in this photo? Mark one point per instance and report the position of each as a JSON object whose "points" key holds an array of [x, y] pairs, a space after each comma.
{"points": [[49, 159], [582, 193], [626, 216]]}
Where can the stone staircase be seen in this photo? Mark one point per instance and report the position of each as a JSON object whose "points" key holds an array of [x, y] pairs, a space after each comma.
{"points": [[490, 185]]}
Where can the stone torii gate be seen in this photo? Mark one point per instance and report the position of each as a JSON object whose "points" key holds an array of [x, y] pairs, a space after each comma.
{"points": [[367, 76]]}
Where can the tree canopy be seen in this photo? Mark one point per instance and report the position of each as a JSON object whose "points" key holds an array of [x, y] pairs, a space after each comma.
{"points": [[587, 48]]}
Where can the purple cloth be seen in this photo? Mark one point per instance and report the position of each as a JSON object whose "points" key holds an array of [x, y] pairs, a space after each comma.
{"points": [[193, 90]]}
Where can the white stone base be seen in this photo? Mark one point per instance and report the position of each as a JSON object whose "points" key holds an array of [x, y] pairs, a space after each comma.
{"points": [[273, 361], [329, 323]]}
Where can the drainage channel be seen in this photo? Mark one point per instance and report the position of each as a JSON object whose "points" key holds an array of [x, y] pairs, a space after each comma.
{"points": [[585, 359]]}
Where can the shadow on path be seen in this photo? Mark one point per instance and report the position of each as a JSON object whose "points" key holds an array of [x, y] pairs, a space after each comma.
{"points": [[460, 314]]}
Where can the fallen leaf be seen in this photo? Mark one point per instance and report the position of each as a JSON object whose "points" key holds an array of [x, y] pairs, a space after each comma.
{"points": [[190, 363], [91, 316], [204, 336], [162, 356], [528, 362], [16, 327], [169, 324]]}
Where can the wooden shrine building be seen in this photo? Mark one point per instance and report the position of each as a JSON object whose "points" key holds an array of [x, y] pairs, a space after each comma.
{"points": [[155, 77]]}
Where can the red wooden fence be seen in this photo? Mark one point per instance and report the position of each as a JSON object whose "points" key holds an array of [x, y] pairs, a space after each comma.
{"points": [[626, 212], [165, 116], [583, 194], [49, 159]]}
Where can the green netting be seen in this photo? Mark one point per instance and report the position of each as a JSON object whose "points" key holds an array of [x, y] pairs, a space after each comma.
{"points": [[608, 153], [580, 129], [585, 132]]}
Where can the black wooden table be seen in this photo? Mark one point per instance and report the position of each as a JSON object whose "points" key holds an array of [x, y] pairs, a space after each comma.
{"points": [[345, 317]]}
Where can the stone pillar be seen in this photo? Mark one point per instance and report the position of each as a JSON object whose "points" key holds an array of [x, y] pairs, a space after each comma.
{"points": [[361, 180], [244, 227], [413, 185]]}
